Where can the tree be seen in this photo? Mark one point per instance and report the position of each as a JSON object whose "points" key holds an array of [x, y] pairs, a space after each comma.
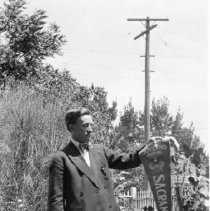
{"points": [[128, 135], [161, 120], [130, 131], [163, 124], [95, 99], [176, 129], [25, 41]]}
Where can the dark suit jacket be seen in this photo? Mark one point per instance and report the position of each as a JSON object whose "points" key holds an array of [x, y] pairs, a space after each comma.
{"points": [[74, 186]]}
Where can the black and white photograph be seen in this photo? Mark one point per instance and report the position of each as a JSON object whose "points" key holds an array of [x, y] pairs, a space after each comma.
{"points": [[104, 105]]}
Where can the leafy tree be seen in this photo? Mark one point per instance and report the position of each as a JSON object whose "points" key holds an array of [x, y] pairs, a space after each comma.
{"points": [[25, 41], [95, 99], [161, 119], [195, 168], [130, 131], [128, 135], [176, 129], [163, 124]]}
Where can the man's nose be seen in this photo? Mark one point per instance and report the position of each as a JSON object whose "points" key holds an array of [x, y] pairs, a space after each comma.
{"points": [[89, 129]]}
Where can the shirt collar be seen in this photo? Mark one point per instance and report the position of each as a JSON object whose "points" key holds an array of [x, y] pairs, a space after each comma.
{"points": [[75, 143], [78, 146]]}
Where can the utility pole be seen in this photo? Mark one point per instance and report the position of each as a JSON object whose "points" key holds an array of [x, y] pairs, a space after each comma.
{"points": [[147, 70]]}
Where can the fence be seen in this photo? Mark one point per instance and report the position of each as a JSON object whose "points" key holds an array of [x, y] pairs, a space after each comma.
{"points": [[142, 199]]}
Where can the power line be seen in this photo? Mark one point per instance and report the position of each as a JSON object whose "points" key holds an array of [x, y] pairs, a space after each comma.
{"points": [[179, 58], [102, 47]]}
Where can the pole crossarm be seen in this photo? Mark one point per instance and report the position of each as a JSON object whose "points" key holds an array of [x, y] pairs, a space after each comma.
{"points": [[145, 32], [146, 19]]}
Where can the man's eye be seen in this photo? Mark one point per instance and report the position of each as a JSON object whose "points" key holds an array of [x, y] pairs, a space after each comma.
{"points": [[85, 125]]}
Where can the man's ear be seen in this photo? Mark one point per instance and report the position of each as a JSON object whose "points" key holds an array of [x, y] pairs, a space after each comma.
{"points": [[70, 127]]}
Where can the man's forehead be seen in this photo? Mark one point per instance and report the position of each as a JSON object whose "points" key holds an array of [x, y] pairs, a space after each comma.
{"points": [[85, 119]]}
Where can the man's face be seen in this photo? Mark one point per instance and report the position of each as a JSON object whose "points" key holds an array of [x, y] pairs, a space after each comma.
{"points": [[82, 129]]}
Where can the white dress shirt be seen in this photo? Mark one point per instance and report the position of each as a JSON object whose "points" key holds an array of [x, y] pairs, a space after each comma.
{"points": [[84, 152]]}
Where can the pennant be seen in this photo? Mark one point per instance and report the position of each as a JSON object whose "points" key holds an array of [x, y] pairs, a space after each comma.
{"points": [[156, 161]]}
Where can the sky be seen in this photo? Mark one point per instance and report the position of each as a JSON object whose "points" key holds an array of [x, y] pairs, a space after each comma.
{"points": [[101, 49]]}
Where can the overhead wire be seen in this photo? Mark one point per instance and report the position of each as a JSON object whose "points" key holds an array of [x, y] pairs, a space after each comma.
{"points": [[179, 59], [87, 52], [104, 52]]}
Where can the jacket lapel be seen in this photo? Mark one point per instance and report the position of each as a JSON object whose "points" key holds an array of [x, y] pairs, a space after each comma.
{"points": [[74, 155]]}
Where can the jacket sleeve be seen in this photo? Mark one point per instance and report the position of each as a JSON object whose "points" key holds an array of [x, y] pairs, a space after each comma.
{"points": [[123, 161], [56, 191]]}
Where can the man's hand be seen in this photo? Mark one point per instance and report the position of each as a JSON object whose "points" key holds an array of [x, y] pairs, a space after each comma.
{"points": [[154, 141]]}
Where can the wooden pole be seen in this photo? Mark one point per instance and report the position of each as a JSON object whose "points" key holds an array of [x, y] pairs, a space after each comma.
{"points": [[147, 78], [147, 82], [147, 71]]}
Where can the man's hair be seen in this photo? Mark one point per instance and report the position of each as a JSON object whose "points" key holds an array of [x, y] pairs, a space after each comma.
{"points": [[73, 114]]}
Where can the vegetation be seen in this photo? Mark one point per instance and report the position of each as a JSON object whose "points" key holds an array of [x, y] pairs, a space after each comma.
{"points": [[26, 41], [32, 130], [33, 99], [190, 161]]}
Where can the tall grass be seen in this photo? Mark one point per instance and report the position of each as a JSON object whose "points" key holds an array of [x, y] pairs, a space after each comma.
{"points": [[32, 129]]}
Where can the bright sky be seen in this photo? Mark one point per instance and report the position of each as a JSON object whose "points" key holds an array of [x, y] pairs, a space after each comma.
{"points": [[100, 49]]}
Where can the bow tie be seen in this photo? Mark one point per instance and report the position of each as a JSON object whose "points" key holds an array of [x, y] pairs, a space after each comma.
{"points": [[85, 146]]}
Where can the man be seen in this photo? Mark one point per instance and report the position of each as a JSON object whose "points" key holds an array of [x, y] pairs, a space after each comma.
{"points": [[79, 176]]}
